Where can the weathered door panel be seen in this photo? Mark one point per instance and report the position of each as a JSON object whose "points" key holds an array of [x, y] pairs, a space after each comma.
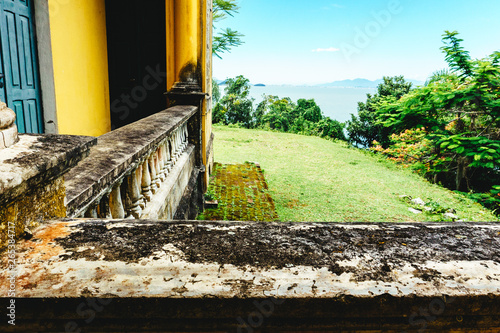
{"points": [[21, 89]]}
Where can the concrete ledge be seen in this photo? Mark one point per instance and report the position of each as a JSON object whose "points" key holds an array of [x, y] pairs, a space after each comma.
{"points": [[246, 277], [119, 152], [37, 159]]}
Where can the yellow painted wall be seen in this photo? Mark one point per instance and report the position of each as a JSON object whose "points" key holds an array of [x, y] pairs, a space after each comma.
{"points": [[79, 49]]}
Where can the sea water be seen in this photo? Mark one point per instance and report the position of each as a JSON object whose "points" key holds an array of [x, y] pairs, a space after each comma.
{"points": [[336, 103]]}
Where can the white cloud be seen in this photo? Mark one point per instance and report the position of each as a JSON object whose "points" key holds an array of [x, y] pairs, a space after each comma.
{"points": [[333, 5], [330, 49]]}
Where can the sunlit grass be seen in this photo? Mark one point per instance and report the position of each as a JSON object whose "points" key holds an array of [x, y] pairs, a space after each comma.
{"points": [[312, 179]]}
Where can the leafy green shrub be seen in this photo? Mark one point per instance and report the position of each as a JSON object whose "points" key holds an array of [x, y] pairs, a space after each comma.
{"points": [[490, 200], [460, 113]]}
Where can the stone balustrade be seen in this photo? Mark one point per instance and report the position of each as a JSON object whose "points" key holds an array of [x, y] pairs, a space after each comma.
{"points": [[136, 171], [142, 183]]}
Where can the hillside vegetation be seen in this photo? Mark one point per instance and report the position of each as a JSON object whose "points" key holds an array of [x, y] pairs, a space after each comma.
{"points": [[447, 130], [313, 179]]}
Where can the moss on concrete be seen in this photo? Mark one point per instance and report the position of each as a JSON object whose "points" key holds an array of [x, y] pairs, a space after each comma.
{"points": [[242, 193], [43, 203]]}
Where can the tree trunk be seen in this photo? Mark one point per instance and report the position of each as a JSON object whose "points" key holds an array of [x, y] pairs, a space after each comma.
{"points": [[462, 183]]}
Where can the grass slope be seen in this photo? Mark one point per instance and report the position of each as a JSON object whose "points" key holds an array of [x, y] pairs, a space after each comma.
{"points": [[312, 179]]}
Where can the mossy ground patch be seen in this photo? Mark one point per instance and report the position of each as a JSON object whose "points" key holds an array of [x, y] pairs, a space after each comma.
{"points": [[242, 192]]}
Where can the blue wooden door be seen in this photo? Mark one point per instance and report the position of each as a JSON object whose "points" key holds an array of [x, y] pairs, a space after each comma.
{"points": [[18, 64]]}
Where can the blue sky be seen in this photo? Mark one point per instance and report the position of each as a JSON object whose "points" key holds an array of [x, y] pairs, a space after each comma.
{"points": [[319, 41]]}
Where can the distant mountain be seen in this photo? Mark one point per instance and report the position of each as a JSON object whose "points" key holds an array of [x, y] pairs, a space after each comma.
{"points": [[219, 82], [259, 85], [361, 83], [357, 83]]}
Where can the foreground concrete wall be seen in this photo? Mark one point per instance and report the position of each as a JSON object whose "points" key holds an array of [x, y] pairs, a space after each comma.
{"points": [[250, 277]]}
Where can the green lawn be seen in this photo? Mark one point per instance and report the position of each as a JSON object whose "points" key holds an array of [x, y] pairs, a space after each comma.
{"points": [[312, 179]]}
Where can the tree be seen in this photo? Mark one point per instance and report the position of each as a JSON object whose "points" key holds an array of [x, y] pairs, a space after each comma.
{"points": [[329, 128], [281, 114], [235, 107], [460, 111], [305, 117], [308, 109], [227, 38], [277, 113], [216, 95], [363, 129]]}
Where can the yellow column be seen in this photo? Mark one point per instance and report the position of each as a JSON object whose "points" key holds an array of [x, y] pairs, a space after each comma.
{"points": [[187, 24], [189, 53]]}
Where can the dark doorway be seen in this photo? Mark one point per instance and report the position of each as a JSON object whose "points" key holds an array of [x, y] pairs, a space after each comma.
{"points": [[136, 31]]}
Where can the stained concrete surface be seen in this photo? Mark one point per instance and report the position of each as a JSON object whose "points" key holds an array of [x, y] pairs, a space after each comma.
{"points": [[206, 276]]}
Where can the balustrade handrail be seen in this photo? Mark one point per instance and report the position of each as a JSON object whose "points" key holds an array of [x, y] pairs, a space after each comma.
{"points": [[128, 165]]}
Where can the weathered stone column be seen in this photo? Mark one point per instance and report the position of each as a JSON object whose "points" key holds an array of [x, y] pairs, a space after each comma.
{"points": [[8, 128]]}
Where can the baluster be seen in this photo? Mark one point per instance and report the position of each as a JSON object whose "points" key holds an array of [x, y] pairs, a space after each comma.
{"points": [[164, 157], [158, 169], [182, 138], [172, 150], [161, 162], [127, 202], [142, 198], [146, 181], [174, 147], [154, 175], [178, 149], [134, 192], [181, 141], [115, 203], [185, 133], [168, 156]]}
